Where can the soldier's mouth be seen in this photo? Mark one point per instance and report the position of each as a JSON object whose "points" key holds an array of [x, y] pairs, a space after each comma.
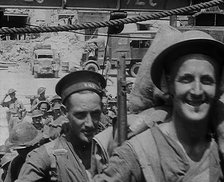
{"points": [[195, 103], [89, 133]]}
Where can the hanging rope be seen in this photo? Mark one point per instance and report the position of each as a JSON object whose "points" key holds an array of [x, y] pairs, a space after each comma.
{"points": [[89, 25]]}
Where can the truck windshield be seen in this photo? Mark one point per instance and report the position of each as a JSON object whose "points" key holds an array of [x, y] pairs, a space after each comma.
{"points": [[140, 43], [45, 56]]}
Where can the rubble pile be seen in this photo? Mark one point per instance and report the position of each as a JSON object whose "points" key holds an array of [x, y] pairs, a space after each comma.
{"points": [[15, 51], [66, 44]]}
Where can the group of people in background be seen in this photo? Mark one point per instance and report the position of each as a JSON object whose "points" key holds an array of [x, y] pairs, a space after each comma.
{"points": [[41, 124], [44, 120]]}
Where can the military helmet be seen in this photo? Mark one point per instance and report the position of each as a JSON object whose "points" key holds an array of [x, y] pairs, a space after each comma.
{"points": [[11, 90], [46, 102], [55, 98], [56, 106], [24, 135], [41, 90], [36, 113], [175, 44]]}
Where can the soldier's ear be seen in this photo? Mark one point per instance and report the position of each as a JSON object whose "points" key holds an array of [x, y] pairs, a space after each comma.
{"points": [[66, 112], [63, 109]]}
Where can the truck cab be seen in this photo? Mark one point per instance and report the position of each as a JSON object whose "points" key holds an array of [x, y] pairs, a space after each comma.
{"points": [[133, 44], [45, 63]]}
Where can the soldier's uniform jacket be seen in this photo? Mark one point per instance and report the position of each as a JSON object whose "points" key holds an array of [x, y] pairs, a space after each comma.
{"points": [[102, 148], [54, 161], [153, 156], [15, 107]]}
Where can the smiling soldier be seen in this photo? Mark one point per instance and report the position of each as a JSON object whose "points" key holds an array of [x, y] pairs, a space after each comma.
{"points": [[183, 148]]}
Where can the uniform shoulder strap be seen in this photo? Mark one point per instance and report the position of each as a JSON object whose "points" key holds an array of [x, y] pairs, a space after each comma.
{"points": [[146, 151], [54, 149], [53, 167]]}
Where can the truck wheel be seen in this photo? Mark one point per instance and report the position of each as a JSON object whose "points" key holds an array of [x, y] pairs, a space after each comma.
{"points": [[91, 67], [133, 71], [56, 74], [35, 75]]}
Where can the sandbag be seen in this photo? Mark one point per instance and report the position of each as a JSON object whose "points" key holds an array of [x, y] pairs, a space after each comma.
{"points": [[144, 94]]}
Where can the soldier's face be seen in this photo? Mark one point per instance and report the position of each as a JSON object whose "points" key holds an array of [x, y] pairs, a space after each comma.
{"points": [[194, 87], [56, 102], [12, 95], [42, 94], [56, 113], [37, 122], [84, 111], [43, 107]]}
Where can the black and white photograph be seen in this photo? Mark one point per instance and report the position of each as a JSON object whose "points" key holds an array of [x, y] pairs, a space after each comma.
{"points": [[112, 90]]}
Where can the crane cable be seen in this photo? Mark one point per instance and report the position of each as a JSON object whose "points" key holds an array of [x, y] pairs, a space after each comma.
{"points": [[157, 15]]}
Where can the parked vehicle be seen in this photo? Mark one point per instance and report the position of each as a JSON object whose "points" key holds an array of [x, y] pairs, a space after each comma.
{"points": [[211, 22], [45, 62], [133, 44]]}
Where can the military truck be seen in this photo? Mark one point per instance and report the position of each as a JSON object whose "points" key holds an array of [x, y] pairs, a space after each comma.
{"points": [[133, 44], [45, 62], [211, 22], [93, 52]]}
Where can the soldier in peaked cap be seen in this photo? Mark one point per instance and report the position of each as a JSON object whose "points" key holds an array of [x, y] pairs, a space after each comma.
{"points": [[80, 81], [81, 93]]}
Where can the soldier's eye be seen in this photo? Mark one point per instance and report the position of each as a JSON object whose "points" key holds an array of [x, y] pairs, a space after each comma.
{"points": [[207, 80], [187, 78], [80, 115]]}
